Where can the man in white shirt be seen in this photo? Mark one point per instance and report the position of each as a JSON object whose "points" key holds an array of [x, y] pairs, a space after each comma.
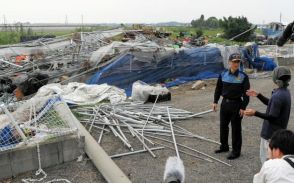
{"points": [[280, 167]]}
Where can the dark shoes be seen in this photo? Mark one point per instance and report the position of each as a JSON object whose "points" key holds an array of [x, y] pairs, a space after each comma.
{"points": [[221, 150], [233, 156]]}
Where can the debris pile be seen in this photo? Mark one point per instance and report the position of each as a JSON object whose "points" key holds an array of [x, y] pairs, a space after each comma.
{"points": [[149, 124], [58, 59]]}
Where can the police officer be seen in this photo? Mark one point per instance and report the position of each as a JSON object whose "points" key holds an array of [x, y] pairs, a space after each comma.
{"points": [[232, 85]]}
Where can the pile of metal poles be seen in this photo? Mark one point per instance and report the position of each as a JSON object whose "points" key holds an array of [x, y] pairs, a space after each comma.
{"points": [[148, 123]]}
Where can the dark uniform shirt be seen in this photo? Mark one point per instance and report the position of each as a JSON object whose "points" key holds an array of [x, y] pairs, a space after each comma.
{"points": [[277, 112], [232, 86]]}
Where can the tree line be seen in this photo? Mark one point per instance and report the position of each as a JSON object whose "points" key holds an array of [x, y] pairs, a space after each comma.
{"points": [[13, 34], [231, 26]]}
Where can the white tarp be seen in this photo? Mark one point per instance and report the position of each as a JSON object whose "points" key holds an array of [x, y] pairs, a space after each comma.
{"points": [[141, 91], [121, 47], [226, 51], [83, 94]]}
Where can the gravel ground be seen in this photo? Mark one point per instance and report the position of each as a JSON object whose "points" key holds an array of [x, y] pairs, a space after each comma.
{"points": [[142, 168]]}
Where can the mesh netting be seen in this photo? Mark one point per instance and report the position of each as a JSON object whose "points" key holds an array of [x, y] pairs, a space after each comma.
{"points": [[34, 121], [274, 51]]}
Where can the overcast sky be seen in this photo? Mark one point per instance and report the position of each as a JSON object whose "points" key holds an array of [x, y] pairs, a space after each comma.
{"points": [[142, 11]]}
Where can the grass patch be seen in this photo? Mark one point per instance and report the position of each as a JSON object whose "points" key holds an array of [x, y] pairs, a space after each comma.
{"points": [[211, 34], [12, 35]]}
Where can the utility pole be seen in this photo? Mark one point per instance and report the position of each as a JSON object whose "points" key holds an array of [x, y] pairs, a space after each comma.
{"points": [[66, 20], [82, 23], [4, 23]]}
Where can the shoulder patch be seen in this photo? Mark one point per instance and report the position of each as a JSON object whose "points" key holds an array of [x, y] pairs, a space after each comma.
{"points": [[230, 78], [224, 72]]}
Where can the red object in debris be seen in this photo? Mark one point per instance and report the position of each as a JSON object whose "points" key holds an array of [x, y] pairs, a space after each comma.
{"points": [[18, 94], [20, 58]]}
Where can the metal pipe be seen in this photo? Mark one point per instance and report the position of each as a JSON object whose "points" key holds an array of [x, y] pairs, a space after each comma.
{"points": [[121, 125], [168, 135], [155, 130], [135, 152], [205, 154], [96, 113], [149, 116], [197, 136], [181, 145], [101, 134], [4, 61], [128, 119], [119, 136], [148, 149], [100, 128], [136, 133], [252, 28], [120, 131], [131, 131], [184, 152], [194, 115], [173, 134]]}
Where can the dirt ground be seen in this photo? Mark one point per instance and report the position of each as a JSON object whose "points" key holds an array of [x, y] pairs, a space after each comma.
{"points": [[142, 168]]}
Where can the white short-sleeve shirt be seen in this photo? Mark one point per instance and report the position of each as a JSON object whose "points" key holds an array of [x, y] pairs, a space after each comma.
{"points": [[275, 171]]}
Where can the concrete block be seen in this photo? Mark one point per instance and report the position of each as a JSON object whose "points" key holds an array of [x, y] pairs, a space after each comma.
{"points": [[23, 160], [285, 61], [55, 151], [50, 154], [5, 167], [72, 149]]}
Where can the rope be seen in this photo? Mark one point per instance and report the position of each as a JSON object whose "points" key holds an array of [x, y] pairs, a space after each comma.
{"points": [[40, 171]]}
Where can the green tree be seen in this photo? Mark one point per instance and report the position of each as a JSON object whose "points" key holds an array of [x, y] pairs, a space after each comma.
{"points": [[234, 26], [199, 23], [211, 22]]}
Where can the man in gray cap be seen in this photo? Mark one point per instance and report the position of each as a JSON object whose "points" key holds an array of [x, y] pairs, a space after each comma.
{"points": [[278, 108]]}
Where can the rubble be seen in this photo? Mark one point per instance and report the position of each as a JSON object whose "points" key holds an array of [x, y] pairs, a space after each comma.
{"points": [[198, 85], [104, 109], [60, 58]]}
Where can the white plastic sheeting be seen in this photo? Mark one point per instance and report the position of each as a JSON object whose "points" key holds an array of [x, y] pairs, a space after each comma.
{"points": [[141, 91], [119, 47], [226, 51], [83, 94]]}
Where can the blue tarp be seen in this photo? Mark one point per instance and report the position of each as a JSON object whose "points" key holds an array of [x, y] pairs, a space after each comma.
{"points": [[268, 64], [8, 137], [187, 65], [255, 61]]}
